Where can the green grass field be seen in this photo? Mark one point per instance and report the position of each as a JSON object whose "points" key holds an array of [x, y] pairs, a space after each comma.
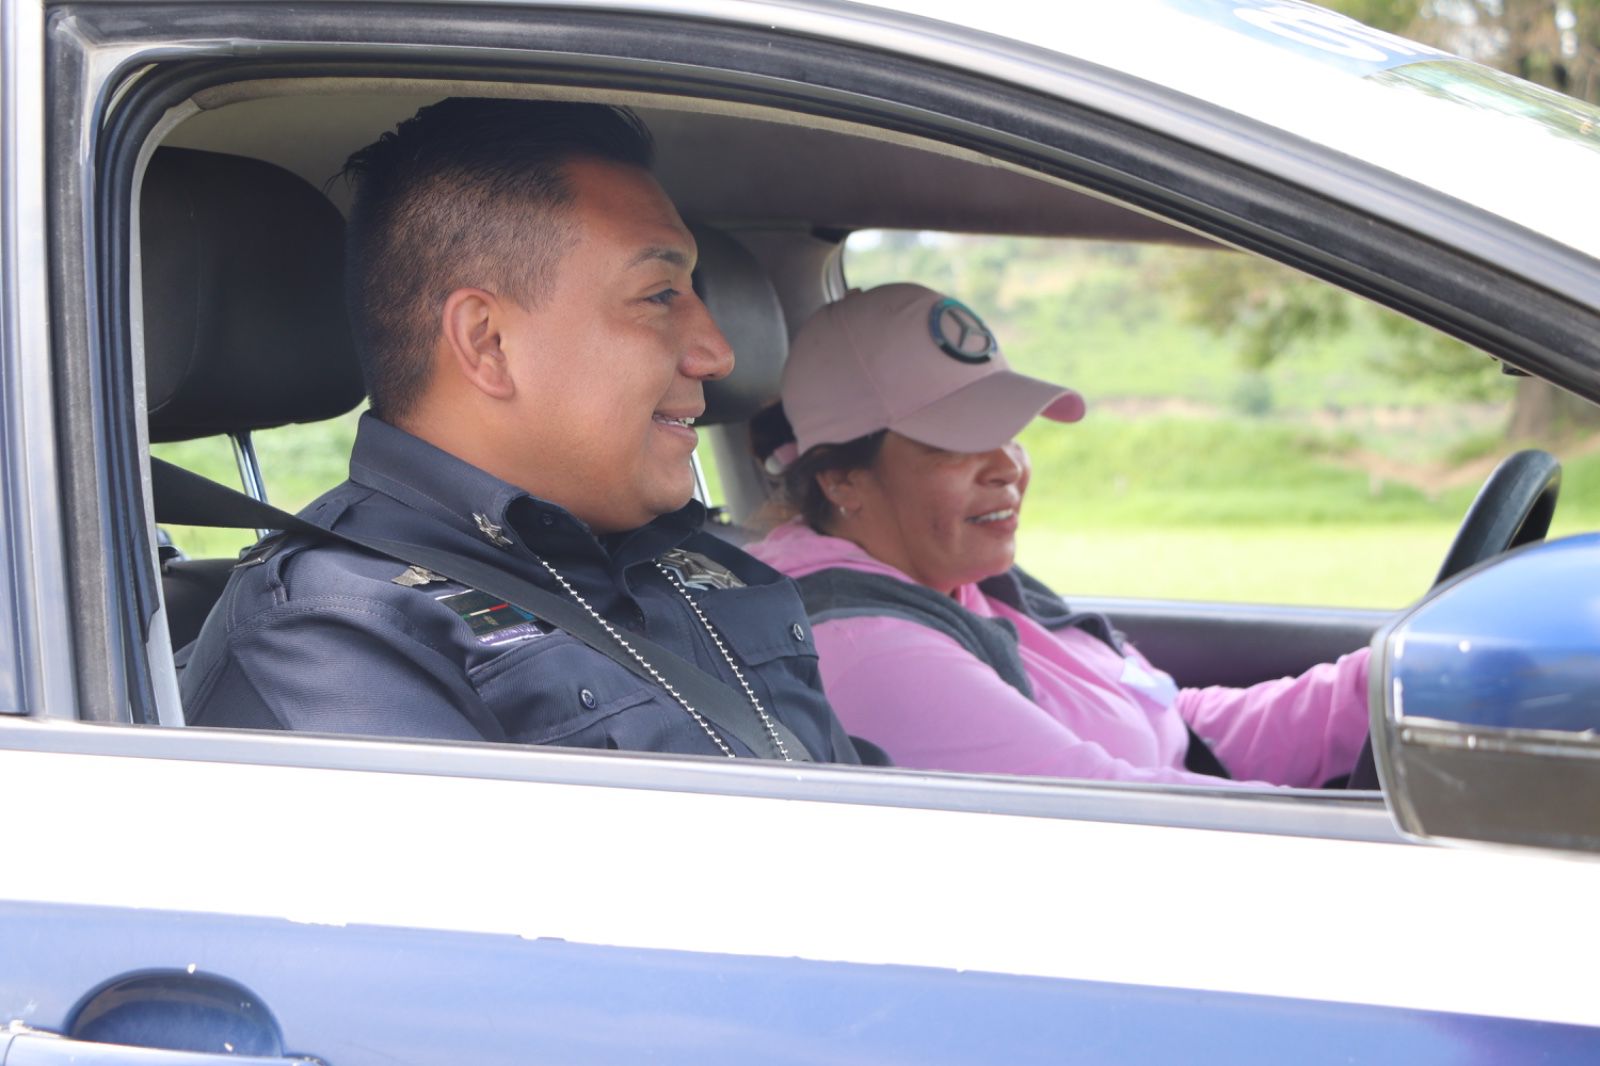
{"points": [[1326, 565]]}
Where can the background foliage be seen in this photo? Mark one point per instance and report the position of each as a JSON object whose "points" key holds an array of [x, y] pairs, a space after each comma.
{"points": [[1554, 43], [1327, 472]]}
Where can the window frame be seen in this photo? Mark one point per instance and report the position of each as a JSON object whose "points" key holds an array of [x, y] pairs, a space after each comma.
{"points": [[120, 69]]}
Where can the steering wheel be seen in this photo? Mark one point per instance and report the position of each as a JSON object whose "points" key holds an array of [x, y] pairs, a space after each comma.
{"points": [[1513, 508]]}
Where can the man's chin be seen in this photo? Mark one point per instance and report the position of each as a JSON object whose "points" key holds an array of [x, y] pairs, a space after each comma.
{"points": [[635, 504], [667, 505], [669, 494]]}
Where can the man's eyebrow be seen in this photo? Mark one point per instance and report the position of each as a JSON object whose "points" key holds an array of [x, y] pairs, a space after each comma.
{"points": [[661, 253]]}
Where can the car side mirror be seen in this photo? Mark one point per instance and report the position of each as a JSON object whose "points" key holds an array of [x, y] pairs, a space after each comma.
{"points": [[1490, 692]]}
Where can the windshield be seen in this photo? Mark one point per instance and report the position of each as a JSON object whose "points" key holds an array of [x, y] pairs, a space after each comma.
{"points": [[1523, 152]]}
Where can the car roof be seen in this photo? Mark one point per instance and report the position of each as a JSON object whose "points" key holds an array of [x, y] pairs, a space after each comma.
{"points": [[1450, 149], [1521, 151]]}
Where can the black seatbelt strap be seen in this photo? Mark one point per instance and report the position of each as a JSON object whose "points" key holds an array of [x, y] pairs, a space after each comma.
{"points": [[1200, 759], [185, 498]]}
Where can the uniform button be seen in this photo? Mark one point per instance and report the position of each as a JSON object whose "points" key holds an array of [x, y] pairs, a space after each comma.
{"points": [[799, 632], [547, 519], [588, 698]]}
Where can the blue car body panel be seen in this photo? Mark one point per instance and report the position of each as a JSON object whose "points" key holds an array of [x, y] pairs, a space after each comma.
{"points": [[360, 995]]}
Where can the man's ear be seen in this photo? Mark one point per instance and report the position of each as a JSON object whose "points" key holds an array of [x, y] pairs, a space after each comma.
{"points": [[473, 324]]}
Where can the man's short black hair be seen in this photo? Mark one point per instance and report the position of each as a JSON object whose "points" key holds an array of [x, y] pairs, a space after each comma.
{"points": [[467, 192]]}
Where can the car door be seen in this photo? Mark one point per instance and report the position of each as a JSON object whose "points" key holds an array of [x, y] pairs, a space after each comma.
{"points": [[365, 916], [218, 894]]}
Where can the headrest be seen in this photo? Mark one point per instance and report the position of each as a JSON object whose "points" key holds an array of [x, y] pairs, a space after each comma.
{"points": [[244, 314], [742, 301]]}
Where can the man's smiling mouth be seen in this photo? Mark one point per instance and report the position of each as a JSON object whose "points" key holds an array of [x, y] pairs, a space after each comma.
{"points": [[994, 516], [686, 422]]}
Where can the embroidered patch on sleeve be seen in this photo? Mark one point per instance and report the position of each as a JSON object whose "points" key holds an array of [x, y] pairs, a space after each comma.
{"points": [[493, 621]]}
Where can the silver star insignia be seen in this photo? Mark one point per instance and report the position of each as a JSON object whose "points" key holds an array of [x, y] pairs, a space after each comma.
{"points": [[495, 534]]}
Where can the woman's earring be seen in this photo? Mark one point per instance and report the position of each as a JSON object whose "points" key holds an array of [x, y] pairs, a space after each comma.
{"points": [[842, 512]]}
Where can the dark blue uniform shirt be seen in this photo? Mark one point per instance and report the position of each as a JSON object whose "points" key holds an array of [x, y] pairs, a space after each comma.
{"points": [[326, 637]]}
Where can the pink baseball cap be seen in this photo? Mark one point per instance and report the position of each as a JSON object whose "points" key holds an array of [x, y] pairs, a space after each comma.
{"points": [[906, 358]]}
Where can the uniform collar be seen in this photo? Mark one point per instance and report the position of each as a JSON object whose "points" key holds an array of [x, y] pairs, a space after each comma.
{"points": [[424, 478]]}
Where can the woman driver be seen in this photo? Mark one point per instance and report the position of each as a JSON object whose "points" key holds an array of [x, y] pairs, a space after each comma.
{"points": [[908, 485]]}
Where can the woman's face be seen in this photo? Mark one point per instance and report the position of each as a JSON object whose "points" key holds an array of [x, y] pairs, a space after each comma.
{"points": [[943, 518]]}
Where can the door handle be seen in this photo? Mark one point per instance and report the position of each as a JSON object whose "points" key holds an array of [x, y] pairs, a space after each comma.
{"points": [[21, 1046]]}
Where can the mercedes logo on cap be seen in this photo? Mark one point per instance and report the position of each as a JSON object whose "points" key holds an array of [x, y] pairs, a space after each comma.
{"points": [[960, 333]]}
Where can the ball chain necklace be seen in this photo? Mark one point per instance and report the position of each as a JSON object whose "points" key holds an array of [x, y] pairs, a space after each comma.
{"points": [[716, 638]]}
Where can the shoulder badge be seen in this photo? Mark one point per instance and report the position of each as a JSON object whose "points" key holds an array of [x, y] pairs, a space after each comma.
{"points": [[261, 550]]}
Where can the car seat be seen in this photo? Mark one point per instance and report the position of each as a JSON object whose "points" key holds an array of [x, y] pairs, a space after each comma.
{"points": [[244, 322], [743, 302]]}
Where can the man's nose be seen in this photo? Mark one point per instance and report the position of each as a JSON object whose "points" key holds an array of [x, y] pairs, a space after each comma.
{"points": [[707, 354]]}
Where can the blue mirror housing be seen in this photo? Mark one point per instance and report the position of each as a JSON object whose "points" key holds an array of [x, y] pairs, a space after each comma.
{"points": [[1490, 697]]}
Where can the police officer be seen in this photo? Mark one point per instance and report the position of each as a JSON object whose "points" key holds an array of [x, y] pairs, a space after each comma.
{"points": [[534, 354]]}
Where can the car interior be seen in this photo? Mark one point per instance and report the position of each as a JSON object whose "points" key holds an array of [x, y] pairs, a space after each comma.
{"points": [[240, 295]]}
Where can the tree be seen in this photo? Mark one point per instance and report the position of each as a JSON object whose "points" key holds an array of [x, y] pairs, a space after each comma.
{"points": [[1272, 312], [1555, 43]]}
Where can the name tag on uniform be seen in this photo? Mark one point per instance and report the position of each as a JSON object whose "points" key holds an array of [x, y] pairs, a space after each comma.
{"points": [[493, 621]]}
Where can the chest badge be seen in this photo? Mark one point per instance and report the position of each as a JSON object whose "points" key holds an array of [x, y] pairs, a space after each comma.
{"points": [[697, 571]]}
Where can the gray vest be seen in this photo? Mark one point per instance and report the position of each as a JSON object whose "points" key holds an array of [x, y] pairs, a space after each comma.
{"points": [[843, 593], [840, 592]]}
